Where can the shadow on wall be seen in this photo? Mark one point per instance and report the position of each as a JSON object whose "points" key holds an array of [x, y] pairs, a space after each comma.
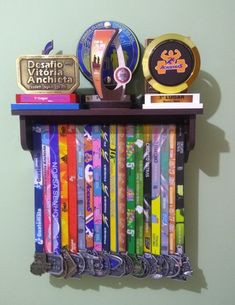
{"points": [[210, 143]]}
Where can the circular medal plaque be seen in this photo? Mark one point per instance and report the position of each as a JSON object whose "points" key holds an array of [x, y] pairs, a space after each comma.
{"points": [[170, 64], [128, 42]]}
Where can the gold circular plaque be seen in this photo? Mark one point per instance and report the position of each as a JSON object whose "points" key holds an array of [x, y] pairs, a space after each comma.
{"points": [[170, 63]]}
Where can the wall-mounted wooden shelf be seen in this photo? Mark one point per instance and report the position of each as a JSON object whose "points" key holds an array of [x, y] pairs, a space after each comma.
{"points": [[187, 117]]}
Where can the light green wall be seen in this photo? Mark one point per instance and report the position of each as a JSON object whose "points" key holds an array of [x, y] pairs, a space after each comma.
{"points": [[25, 27]]}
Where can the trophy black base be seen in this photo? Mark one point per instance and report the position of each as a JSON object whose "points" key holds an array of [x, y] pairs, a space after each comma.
{"points": [[91, 101], [108, 104]]}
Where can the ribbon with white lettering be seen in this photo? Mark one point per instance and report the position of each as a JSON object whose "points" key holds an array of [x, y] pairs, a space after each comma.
{"points": [[105, 135], [38, 190], [55, 189]]}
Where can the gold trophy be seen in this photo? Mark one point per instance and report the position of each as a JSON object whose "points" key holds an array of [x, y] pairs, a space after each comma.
{"points": [[112, 51], [170, 63]]}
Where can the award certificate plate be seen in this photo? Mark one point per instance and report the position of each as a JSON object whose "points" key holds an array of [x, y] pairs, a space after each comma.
{"points": [[170, 63], [48, 74]]}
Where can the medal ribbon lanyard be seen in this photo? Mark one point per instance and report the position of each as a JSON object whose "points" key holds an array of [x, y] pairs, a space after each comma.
{"points": [[113, 189], [147, 187], [156, 201], [105, 140], [96, 151], [131, 189], [139, 150], [38, 190], [46, 179], [180, 243], [40, 264], [88, 184], [64, 203], [80, 187], [55, 189], [121, 188], [165, 147], [172, 178]]}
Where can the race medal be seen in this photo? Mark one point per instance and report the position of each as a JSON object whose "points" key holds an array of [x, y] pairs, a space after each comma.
{"points": [[170, 64], [128, 41]]}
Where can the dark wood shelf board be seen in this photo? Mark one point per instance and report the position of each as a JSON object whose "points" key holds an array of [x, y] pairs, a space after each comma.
{"points": [[107, 112]]}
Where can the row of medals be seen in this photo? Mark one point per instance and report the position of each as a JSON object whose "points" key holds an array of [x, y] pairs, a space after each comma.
{"points": [[99, 264]]}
